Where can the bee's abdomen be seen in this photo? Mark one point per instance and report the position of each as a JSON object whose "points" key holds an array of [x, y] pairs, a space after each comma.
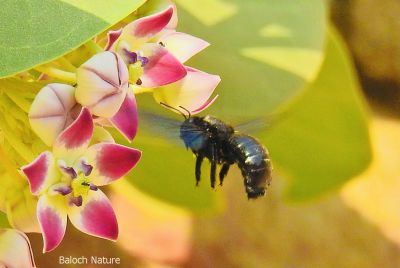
{"points": [[254, 163]]}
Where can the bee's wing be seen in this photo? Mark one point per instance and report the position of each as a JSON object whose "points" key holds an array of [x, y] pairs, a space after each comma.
{"points": [[258, 124], [160, 126], [253, 126]]}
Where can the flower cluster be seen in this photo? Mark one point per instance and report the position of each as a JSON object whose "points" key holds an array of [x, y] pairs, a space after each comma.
{"points": [[147, 55]]}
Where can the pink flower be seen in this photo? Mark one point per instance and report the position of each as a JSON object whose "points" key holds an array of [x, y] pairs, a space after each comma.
{"points": [[103, 88], [67, 180], [53, 109], [150, 64], [157, 53]]}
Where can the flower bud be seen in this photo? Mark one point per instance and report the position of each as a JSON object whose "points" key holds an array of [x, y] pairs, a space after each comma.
{"points": [[52, 111], [102, 84]]}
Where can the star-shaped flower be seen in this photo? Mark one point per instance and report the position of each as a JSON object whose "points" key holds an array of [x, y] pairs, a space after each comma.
{"points": [[67, 180], [153, 48]]}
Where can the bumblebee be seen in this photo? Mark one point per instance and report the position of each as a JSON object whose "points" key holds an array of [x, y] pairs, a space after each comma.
{"points": [[211, 138]]}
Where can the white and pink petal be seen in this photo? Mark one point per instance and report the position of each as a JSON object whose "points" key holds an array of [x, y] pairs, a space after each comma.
{"points": [[15, 249], [112, 37], [50, 112], [173, 23], [41, 173], [110, 162], [205, 105], [126, 119], [162, 67], [52, 216], [183, 46], [74, 140], [95, 217], [192, 92], [146, 27], [102, 83]]}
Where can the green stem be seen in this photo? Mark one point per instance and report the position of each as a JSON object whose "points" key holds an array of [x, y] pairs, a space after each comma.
{"points": [[140, 90], [66, 64], [93, 47], [57, 73]]}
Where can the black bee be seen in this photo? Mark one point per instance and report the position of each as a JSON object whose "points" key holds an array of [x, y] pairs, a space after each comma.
{"points": [[209, 137]]}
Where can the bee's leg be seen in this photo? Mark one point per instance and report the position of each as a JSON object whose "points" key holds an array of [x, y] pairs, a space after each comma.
{"points": [[214, 161], [199, 160], [223, 172]]}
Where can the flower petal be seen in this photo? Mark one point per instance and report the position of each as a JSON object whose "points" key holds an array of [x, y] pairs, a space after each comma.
{"points": [[183, 46], [110, 162], [173, 23], [50, 111], [74, 140], [41, 172], [126, 119], [95, 217], [52, 216], [162, 68], [15, 249], [112, 36], [207, 104], [149, 26], [102, 83], [192, 92]]}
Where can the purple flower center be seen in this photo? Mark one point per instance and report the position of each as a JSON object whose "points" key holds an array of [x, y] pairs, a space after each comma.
{"points": [[133, 57], [77, 201], [80, 184]]}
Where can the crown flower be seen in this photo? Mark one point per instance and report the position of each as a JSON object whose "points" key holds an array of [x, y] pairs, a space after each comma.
{"points": [[66, 182], [158, 53]]}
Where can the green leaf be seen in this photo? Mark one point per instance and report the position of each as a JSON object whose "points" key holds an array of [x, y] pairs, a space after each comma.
{"points": [[15, 101], [4, 221], [322, 139], [265, 51], [35, 32]]}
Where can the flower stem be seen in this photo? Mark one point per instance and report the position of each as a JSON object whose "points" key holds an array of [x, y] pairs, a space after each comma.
{"points": [[140, 90], [93, 47], [57, 73], [66, 64]]}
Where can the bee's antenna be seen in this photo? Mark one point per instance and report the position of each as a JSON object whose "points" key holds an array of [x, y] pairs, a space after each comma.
{"points": [[189, 114], [173, 108]]}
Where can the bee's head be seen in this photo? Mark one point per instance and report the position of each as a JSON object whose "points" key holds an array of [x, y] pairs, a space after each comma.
{"points": [[192, 133]]}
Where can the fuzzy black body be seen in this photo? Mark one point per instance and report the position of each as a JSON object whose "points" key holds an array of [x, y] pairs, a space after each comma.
{"points": [[210, 138]]}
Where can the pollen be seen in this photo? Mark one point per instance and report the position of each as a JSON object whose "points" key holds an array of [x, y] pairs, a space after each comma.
{"points": [[135, 71], [80, 186]]}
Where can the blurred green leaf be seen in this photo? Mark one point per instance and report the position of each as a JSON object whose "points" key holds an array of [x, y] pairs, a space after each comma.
{"points": [[35, 32], [244, 50], [209, 12], [3, 221], [322, 140]]}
